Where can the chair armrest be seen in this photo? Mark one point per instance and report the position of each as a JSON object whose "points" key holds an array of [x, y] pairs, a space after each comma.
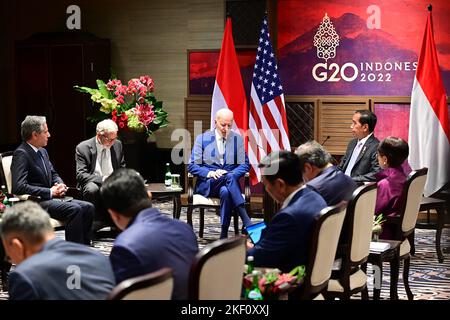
{"points": [[25, 197], [247, 187], [190, 190]]}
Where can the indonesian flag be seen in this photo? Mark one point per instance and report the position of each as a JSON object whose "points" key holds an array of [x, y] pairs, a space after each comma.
{"points": [[429, 134], [228, 88]]}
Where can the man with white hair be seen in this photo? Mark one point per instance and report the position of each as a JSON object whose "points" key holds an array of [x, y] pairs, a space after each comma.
{"points": [[219, 160], [96, 158]]}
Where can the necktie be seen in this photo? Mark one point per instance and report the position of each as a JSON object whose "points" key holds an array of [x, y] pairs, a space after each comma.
{"points": [[222, 152], [104, 166], [43, 162], [352, 161]]}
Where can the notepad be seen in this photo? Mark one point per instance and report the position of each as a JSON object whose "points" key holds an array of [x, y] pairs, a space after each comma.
{"points": [[379, 246]]}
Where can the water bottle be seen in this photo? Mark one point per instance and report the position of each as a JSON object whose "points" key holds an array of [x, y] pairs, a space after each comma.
{"points": [[168, 176], [250, 264], [255, 293]]}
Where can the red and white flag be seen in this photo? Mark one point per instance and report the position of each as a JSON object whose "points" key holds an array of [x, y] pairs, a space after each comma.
{"points": [[228, 88], [267, 120], [429, 134]]}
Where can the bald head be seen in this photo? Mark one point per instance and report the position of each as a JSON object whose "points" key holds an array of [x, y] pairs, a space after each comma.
{"points": [[224, 121]]}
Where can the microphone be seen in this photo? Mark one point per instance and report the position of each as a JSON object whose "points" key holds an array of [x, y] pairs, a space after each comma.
{"points": [[326, 139]]}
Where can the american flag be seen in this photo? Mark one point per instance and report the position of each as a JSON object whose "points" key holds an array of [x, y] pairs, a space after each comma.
{"points": [[268, 130]]}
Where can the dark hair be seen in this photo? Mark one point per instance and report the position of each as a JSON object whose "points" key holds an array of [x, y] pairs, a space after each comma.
{"points": [[314, 153], [396, 150], [284, 165], [367, 117], [124, 191]]}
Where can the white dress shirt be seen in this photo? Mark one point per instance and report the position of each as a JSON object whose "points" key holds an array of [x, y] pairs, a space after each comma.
{"points": [[98, 168], [355, 154]]}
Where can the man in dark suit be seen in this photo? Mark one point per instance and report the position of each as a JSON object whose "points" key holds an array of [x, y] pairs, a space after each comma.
{"points": [[284, 243], [149, 240], [48, 268], [33, 173], [96, 159], [322, 176], [219, 160], [360, 160]]}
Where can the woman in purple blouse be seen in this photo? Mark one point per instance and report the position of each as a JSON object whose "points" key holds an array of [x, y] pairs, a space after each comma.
{"points": [[392, 153]]}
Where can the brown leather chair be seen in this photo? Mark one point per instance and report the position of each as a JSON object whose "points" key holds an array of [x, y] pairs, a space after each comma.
{"points": [[157, 285], [322, 251], [349, 274], [217, 270], [196, 201], [405, 221]]}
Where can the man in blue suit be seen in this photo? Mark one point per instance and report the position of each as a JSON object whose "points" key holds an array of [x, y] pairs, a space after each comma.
{"points": [[322, 176], [33, 173], [48, 268], [219, 160], [149, 240], [284, 243]]}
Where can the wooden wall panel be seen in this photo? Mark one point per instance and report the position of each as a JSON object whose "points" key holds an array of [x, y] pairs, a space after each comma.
{"points": [[334, 120], [197, 109]]}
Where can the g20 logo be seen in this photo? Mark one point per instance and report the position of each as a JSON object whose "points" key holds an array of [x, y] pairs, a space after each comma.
{"points": [[334, 73]]}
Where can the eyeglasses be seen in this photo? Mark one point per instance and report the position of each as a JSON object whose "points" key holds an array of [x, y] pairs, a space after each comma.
{"points": [[107, 139]]}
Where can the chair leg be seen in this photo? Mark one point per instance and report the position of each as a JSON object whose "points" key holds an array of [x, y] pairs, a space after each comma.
{"points": [[236, 222], [406, 262], [439, 226], [202, 222], [412, 243], [189, 216], [365, 293]]}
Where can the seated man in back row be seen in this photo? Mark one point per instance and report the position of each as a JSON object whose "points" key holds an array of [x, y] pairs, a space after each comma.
{"points": [[284, 243], [219, 160], [33, 173], [360, 160], [322, 176], [96, 158]]}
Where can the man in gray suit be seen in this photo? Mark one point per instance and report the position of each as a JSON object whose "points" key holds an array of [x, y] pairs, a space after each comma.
{"points": [[49, 268], [96, 159], [360, 161]]}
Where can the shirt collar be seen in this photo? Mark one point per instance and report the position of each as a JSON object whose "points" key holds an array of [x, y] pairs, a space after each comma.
{"points": [[34, 148], [363, 140], [218, 136], [99, 146], [290, 197]]}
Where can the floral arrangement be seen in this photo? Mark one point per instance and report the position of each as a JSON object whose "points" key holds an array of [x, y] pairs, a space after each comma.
{"points": [[132, 106], [273, 284], [377, 226]]}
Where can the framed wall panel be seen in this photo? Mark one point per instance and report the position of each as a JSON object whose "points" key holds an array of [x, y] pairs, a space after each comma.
{"points": [[202, 68]]}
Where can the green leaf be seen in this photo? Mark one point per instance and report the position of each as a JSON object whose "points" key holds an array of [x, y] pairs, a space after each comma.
{"points": [[103, 90], [85, 89]]}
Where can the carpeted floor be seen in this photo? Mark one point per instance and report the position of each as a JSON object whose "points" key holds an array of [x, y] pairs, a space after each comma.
{"points": [[429, 279]]}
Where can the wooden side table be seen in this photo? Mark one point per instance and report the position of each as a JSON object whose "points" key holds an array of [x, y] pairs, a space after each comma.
{"points": [[159, 190], [376, 258]]}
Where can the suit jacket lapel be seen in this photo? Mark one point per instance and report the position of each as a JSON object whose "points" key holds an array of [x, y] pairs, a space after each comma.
{"points": [[38, 160], [93, 148], [364, 148], [114, 162]]}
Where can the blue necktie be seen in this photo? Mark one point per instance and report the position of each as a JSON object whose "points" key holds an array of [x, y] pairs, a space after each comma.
{"points": [[43, 162]]}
